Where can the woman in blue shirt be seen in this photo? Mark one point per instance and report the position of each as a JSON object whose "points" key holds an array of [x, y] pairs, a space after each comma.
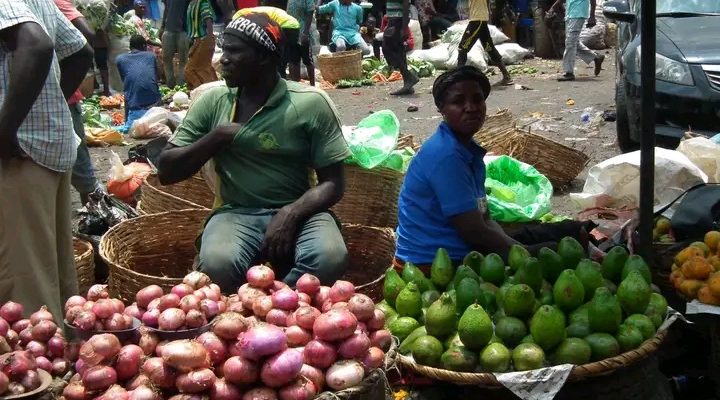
{"points": [[443, 201]]}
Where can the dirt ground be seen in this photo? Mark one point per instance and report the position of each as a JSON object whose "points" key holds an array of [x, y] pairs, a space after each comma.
{"points": [[542, 104]]}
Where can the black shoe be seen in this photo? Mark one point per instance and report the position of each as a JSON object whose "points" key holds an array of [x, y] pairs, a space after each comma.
{"points": [[598, 64], [566, 78], [407, 88]]}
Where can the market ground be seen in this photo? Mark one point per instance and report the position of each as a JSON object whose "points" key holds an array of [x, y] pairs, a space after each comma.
{"points": [[543, 105]]}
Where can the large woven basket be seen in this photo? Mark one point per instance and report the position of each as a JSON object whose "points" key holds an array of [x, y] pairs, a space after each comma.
{"points": [[151, 249], [192, 193], [341, 65], [84, 264], [579, 372], [370, 253], [496, 132]]}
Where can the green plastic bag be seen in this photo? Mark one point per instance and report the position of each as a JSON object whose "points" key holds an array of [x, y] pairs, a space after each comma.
{"points": [[373, 140], [517, 192]]}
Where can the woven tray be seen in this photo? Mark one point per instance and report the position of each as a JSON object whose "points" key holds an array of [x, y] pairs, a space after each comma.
{"points": [[151, 249], [192, 193], [341, 65], [496, 131], [579, 372], [84, 264], [370, 253]]}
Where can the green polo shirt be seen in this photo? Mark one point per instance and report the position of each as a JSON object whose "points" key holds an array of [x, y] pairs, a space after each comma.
{"points": [[269, 161]]}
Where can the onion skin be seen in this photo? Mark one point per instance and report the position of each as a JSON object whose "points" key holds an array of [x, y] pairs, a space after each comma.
{"points": [[115, 392], [300, 389], [285, 299], [297, 336], [160, 374], [196, 381], [97, 292], [319, 354], [99, 377], [144, 392], [128, 361], [344, 374], [377, 321], [74, 391], [305, 317], [148, 342], [103, 308], [362, 306], [60, 367], [335, 325], [281, 368], [260, 394], [356, 346], [35, 348], [189, 302], [147, 294], [341, 291], [136, 382], [181, 290], [277, 317], [214, 346], [381, 339], [185, 355], [117, 322], [249, 296], [229, 325], [262, 306], [12, 337], [308, 284], [262, 340], [373, 359], [315, 375], [171, 319], [223, 390], [99, 348], [240, 371], [134, 311], [196, 280], [41, 315], [260, 276], [195, 319], [74, 301]]}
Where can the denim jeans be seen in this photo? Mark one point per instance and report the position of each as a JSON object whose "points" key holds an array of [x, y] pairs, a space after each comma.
{"points": [[574, 47], [83, 174], [232, 239]]}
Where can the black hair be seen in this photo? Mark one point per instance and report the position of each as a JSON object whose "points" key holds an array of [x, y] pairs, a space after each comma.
{"points": [[138, 42], [455, 75]]}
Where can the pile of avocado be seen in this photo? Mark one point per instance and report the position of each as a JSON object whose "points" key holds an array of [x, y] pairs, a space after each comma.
{"points": [[556, 308]]}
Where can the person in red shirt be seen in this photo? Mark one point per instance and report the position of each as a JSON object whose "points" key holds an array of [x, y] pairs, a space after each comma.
{"points": [[370, 28]]}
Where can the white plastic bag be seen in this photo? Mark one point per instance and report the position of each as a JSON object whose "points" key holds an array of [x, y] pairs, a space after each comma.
{"points": [[142, 128], [705, 154], [615, 183], [478, 58], [498, 37], [198, 91], [437, 56], [417, 35], [512, 53]]}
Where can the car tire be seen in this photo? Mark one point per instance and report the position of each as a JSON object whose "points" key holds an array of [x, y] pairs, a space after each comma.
{"points": [[622, 122]]}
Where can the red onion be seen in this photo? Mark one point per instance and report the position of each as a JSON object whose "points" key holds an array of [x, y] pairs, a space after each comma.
{"points": [[237, 307], [138, 381], [262, 340], [60, 367], [215, 288], [297, 336], [335, 325], [319, 354], [362, 328], [290, 321], [35, 348], [74, 301], [321, 296], [85, 321], [260, 276], [309, 284], [377, 321], [229, 325], [118, 305], [16, 388], [99, 348], [147, 294], [160, 374], [97, 292], [128, 361], [148, 342], [115, 392], [195, 381], [195, 319], [41, 315], [211, 308], [43, 363], [171, 319], [223, 390], [214, 346], [99, 377], [80, 366], [373, 359], [381, 339], [340, 305], [300, 389], [251, 321], [150, 318], [72, 313], [134, 311], [117, 322], [144, 392], [25, 336], [11, 312], [281, 368], [277, 285], [103, 308], [88, 305], [21, 325], [362, 306], [196, 280], [304, 298], [30, 381], [181, 290], [285, 299], [188, 396], [277, 317], [211, 294], [305, 316], [72, 351], [154, 305], [326, 306], [169, 301], [233, 347], [189, 302], [185, 355], [199, 294], [240, 370], [4, 327], [4, 382], [4, 346], [13, 338], [341, 291], [344, 374], [262, 305], [354, 346], [315, 375], [249, 296], [129, 321], [262, 393], [160, 346]]}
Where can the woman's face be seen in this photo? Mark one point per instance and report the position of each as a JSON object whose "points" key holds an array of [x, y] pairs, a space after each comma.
{"points": [[464, 108]]}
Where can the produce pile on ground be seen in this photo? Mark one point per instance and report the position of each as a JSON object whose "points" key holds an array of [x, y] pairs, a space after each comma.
{"points": [[696, 270], [557, 308]]}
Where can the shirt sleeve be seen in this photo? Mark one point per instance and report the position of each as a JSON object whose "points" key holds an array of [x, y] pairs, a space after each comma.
{"points": [[328, 8], [68, 40], [452, 183], [206, 11], [327, 143], [358, 14], [68, 9], [197, 122], [13, 12]]}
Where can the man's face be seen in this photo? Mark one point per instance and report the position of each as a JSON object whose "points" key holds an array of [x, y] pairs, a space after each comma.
{"points": [[371, 24], [240, 61], [140, 10], [464, 107]]}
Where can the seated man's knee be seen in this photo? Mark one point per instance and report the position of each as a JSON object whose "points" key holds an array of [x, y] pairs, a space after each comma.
{"points": [[220, 263], [332, 260]]}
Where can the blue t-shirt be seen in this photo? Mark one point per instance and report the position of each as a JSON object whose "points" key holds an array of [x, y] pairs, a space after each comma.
{"points": [[138, 71], [577, 9], [346, 21], [445, 178]]}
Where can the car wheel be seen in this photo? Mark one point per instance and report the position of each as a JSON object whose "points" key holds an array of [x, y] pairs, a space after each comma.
{"points": [[622, 123]]}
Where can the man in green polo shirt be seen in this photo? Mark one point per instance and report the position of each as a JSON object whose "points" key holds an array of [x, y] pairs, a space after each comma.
{"points": [[265, 136]]}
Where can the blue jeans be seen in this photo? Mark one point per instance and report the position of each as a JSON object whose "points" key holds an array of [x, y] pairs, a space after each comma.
{"points": [[231, 245], [83, 174]]}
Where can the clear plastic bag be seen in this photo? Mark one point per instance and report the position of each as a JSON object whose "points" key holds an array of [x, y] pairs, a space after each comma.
{"points": [[517, 192], [373, 140]]}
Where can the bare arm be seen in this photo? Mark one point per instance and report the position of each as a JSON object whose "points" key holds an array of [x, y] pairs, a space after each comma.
{"points": [[330, 189], [209, 27], [593, 6], [74, 68], [81, 24], [482, 233]]}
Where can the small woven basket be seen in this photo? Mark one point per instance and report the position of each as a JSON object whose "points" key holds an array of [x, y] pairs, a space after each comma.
{"points": [[579, 372], [341, 65], [192, 193], [84, 264], [370, 253], [151, 249]]}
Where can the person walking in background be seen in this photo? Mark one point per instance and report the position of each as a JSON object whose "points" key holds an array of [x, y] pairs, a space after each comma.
{"points": [[43, 60], [83, 174], [199, 69], [301, 50], [174, 38], [478, 29], [393, 46], [138, 70], [347, 17], [100, 46], [576, 13]]}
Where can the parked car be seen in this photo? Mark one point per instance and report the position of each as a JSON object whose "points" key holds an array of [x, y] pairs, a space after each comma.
{"points": [[687, 69]]}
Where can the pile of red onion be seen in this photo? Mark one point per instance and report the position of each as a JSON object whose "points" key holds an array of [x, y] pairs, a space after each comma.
{"points": [[97, 312], [18, 373]]}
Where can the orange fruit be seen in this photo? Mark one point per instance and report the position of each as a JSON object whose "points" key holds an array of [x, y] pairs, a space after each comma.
{"points": [[690, 287], [676, 278], [715, 262], [696, 268], [705, 295], [714, 284], [686, 253], [712, 240], [662, 226]]}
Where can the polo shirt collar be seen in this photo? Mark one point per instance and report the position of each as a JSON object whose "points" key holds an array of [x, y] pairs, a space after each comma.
{"points": [[467, 153], [276, 96]]}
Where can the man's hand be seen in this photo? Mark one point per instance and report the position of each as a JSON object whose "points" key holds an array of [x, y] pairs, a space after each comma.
{"points": [[9, 147], [591, 21], [279, 245], [226, 133]]}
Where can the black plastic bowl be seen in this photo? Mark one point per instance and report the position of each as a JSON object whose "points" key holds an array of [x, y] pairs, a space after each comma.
{"points": [[123, 335]]}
